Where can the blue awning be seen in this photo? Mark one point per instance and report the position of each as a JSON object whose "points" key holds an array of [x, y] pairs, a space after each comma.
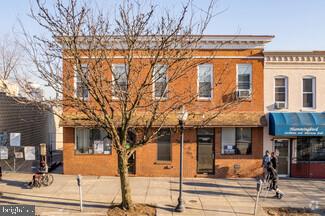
{"points": [[297, 124]]}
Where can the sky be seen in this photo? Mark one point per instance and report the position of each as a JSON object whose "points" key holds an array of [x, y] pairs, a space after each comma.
{"points": [[296, 24]]}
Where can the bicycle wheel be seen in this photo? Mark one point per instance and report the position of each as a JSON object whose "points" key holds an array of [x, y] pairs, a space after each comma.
{"points": [[47, 180]]}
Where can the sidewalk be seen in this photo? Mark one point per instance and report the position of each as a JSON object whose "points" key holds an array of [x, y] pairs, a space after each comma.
{"points": [[203, 196]]}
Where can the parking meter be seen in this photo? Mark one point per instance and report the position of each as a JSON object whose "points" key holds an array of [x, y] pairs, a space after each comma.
{"points": [[259, 185], [79, 180], [80, 191]]}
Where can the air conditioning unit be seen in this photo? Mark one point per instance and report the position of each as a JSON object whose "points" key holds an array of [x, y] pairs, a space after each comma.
{"points": [[244, 93], [279, 105]]}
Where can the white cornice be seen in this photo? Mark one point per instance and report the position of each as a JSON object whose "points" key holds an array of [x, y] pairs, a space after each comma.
{"points": [[207, 42], [294, 57]]}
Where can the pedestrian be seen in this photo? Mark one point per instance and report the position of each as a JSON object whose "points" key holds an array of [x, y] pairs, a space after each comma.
{"points": [[274, 161], [266, 160], [273, 180]]}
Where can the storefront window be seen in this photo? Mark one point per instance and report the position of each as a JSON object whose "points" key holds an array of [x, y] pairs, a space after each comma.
{"points": [[237, 141], [311, 149], [92, 141]]}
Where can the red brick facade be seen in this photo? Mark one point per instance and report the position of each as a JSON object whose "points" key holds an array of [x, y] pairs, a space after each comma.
{"points": [[224, 83], [147, 164]]}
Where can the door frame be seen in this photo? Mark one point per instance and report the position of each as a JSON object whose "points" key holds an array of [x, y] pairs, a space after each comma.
{"points": [[213, 151], [289, 153]]}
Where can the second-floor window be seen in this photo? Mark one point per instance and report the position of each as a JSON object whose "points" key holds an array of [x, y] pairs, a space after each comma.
{"points": [[308, 86], [80, 87], [205, 81], [160, 80], [280, 92], [120, 85], [244, 80]]}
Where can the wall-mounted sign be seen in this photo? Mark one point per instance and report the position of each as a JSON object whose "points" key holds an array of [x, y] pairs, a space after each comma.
{"points": [[29, 152], [19, 155], [3, 153], [15, 139], [98, 147]]}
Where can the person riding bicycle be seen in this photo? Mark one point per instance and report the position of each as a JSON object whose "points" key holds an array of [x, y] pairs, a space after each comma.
{"points": [[43, 169]]}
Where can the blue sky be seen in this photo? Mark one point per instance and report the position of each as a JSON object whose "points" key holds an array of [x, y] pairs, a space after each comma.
{"points": [[296, 24]]}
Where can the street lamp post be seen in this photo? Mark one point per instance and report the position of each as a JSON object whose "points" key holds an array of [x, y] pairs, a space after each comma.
{"points": [[182, 116]]}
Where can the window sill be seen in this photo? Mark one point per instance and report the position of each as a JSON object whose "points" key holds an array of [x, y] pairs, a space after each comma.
{"points": [[163, 162], [204, 99], [160, 99]]}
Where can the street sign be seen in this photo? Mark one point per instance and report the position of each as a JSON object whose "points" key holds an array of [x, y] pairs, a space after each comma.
{"points": [[3, 153], [15, 139]]}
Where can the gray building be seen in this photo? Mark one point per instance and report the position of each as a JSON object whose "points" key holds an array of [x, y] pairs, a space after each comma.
{"points": [[26, 119]]}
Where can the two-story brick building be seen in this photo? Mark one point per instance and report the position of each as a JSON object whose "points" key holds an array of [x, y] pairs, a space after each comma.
{"points": [[229, 145]]}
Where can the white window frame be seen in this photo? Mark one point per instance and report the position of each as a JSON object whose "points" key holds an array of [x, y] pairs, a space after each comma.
{"points": [[75, 82], [198, 82], [113, 78], [154, 82], [250, 78], [286, 81], [313, 92]]}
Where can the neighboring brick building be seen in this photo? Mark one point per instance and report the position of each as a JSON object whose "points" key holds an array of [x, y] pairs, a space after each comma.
{"points": [[231, 145]]}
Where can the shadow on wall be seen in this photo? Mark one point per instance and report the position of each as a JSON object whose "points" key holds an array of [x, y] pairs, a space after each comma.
{"points": [[236, 171]]}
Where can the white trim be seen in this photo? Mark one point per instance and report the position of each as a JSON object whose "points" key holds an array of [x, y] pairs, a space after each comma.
{"points": [[198, 82], [113, 78], [313, 78], [75, 83], [153, 83], [151, 57], [286, 82], [250, 78]]}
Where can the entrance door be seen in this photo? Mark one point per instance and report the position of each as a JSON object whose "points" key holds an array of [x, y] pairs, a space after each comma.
{"points": [[281, 148], [205, 151]]}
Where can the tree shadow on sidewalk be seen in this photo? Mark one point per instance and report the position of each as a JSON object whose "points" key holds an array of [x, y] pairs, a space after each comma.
{"points": [[63, 204], [206, 184], [15, 183]]}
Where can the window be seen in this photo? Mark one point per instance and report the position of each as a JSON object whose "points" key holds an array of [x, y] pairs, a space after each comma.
{"points": [[120, 85], [92, 141], [310, 149], [160, 81], [280, 92], [81, 90], [205, 81], [236, 141], [164, 145], [244, 80], [308, 92]]}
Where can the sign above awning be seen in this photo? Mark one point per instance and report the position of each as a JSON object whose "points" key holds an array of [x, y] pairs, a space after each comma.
{"points": [[297, 124]]}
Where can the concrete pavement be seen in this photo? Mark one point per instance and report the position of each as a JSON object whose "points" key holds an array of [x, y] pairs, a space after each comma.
{"points": [[203, 196]]}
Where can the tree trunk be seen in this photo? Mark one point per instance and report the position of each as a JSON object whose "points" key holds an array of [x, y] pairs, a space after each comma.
{"points": [[124, 178]]}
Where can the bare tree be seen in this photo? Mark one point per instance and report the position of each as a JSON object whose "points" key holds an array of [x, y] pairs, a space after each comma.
{"points": [[9, 61], [120, 73]]}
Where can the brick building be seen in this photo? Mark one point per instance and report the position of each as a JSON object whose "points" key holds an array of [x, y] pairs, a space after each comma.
{"points": [[230, 145]]}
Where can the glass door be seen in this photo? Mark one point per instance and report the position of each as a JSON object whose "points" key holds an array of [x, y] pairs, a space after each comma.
{"points": [[281, 149], [205, 151]]}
